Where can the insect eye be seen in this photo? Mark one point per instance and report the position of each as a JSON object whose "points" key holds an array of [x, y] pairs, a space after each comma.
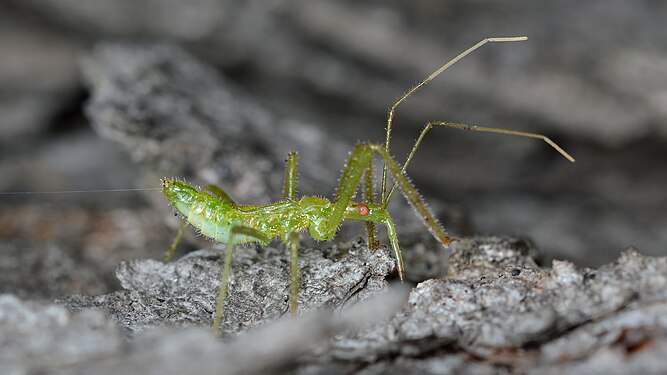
{"points": [[363, 210]]}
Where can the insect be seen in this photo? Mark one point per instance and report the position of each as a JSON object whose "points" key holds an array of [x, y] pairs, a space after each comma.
{"points": [[218, 217]]}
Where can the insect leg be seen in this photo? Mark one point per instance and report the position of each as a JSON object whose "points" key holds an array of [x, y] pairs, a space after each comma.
{"points": [[226, 268], [413, 198], [172, 248], [371, 239], [357, 163], [222, 290], [433, 124], [220, 194], [428, 79], [293, 242], [289, 187]]}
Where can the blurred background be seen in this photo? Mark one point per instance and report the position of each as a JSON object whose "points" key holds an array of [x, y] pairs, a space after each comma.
{"points": [[593, 77]]}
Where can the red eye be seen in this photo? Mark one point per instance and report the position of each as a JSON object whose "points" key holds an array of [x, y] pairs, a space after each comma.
{"points": [[363, 210]]}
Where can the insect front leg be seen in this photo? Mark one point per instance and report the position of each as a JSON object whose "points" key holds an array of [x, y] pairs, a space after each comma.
{"points": [[226, 268]]}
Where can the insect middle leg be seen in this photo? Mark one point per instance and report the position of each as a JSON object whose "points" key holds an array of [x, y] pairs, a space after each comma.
{"points": [[293, 242], [292, 239]]}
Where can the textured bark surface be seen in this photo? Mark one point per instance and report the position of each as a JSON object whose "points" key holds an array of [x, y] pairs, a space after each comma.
{"points": [[184, 293], [497, 312]]}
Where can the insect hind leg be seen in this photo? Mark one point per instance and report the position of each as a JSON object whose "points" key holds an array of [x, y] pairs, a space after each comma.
{"points": [[373, 243], [358, 162]]}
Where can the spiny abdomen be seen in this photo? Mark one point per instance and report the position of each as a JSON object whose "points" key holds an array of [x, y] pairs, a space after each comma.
{"points": [[214, 218]]}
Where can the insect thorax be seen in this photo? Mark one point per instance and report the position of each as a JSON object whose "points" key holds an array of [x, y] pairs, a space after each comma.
{"points": [[318, 212]]}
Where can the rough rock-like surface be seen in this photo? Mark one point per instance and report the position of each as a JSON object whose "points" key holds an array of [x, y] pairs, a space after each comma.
{"points": [[184, 292], [501, 312], [46, 339], [498, 313], [40, 337]]}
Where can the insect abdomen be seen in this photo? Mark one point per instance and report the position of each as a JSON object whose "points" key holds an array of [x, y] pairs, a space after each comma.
{"points": [[210, 215], [214, 218], [204, 212]]}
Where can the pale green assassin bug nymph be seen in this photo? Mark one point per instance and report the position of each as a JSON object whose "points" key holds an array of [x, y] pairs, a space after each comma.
{"points": [[218, 217]]}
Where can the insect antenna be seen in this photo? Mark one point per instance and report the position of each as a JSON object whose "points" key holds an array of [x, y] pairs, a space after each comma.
{"points": [[75, 191]]}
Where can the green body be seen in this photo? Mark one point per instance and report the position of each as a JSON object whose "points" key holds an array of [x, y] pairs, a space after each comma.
{"points": [[214, 217]]}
